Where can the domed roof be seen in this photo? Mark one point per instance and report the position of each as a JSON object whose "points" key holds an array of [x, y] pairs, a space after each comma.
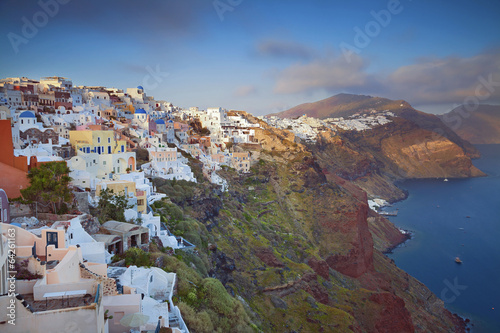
{"points": [[140, 111], [160, 122], [27, 114], [140, 87]]}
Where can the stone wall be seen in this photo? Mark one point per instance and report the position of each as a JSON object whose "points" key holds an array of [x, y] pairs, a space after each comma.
{"points": [[108, 285]]}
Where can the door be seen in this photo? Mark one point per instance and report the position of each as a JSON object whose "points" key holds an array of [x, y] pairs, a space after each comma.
{"points": [[52, 238]]}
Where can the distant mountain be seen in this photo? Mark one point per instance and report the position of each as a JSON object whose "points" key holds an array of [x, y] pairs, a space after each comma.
{"points": [[481, 126], [342, 105]]}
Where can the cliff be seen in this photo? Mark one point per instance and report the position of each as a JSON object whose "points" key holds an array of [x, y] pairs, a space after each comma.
{"points": [[298, 245], [305, 258], [478, 126]]}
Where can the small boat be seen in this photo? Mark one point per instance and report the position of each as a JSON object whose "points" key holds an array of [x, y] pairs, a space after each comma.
{"points": [[457, 260], [445, 180]]}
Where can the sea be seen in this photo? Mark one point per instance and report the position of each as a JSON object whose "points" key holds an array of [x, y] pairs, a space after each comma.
{"points": [[456, 218]]}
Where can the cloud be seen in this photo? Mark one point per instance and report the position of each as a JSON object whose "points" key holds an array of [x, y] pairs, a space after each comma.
{"points": [[445, 80], [140, 20], [427, 81], [284, 49], [245, 91], [330, 74]]}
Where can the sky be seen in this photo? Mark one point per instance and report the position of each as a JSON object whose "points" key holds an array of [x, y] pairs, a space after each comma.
{"points": [[261, 56]]}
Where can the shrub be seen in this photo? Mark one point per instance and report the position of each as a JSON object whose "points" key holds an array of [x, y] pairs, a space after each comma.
{"points": [[136, 256], [197, 322]]}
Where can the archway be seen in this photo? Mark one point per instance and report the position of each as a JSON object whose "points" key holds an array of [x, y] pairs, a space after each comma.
{"points": [[131, 163]]}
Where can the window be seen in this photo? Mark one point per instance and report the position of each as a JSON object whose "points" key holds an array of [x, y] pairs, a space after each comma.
{"points": [[109, 140], [98, 140]]}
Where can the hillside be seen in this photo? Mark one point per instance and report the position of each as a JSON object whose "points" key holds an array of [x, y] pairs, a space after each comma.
{"points": [[481, 126], [298, 246]]}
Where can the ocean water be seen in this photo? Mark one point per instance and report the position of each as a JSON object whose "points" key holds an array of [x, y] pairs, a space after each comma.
{"points": [[461, 218]]}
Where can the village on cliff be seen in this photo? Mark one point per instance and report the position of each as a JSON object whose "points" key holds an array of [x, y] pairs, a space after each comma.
{"points": [[69, 279]]}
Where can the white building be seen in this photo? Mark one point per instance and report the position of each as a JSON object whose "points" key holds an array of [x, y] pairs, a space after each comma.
{"points": [[141, 119], [89, 168], [27, 120], [92, 250], [57, 81], [165, 163], [157, 288]]}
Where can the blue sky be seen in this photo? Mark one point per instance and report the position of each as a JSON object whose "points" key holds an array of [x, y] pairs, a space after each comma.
{"points": [[261, 56]]}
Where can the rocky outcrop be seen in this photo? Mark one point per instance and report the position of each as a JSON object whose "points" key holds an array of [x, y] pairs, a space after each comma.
{"points": [[385, 235], [359, 258], [268, 257], [223, 266], [393, 315], [419, 153], [375, 158]]}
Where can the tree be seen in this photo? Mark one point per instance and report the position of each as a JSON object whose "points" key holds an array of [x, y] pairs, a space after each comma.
{"points": [[49, 186], [112, 206]]}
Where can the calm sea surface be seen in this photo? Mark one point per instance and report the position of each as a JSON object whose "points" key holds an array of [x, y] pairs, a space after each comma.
{"points": [[456, 218]]}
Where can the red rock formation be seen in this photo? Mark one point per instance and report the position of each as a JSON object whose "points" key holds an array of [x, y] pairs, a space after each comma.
{"points": [[393, 316], [268, 257], [359, 258], [320, 267]]}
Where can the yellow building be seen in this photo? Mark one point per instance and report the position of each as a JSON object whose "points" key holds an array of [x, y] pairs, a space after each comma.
{"points": [[241, 161], [127, 188], [100, 142]]}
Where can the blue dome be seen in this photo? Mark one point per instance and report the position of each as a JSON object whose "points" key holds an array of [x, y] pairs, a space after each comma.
{"points": [[27, 114], [140, 111], [160, 122], [170, 121], [140, 87]]}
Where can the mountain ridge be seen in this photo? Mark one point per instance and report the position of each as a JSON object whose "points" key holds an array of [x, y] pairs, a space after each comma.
{"points": [[479, 126]]}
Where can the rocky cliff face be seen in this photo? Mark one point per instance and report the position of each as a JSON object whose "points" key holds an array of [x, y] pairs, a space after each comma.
{"points": [[375, 158]]}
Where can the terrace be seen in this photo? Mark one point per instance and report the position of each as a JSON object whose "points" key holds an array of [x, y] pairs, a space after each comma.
{"points": [[58, 302]]}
